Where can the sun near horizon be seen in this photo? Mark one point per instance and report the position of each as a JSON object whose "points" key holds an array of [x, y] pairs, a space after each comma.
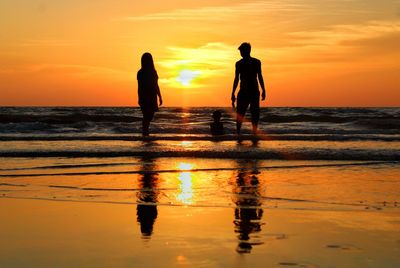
{"points": [[87, 53]]}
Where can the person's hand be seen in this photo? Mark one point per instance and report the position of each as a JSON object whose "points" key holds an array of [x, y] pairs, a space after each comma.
{"points": [[160, 101], [263, 95], [233, 99]]}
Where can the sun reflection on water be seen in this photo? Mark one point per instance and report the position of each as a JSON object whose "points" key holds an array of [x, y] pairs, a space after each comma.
{"points": [[185, 180], [184, 166], [186, 144]]}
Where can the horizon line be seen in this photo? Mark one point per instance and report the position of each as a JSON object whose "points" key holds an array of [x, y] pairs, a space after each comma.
{"points": [[127, 106]]}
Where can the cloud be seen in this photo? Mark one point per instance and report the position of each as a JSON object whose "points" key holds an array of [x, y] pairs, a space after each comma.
{"points": [[200, 64], [345, 42], [387, 42], [221, 13], [255, 10], [46, 43], [345, 48], [211, 55], [341, 33]]}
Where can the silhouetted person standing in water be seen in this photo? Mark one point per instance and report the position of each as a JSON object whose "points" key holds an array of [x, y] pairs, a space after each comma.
{"points": [[248, 70], [148, 91]]}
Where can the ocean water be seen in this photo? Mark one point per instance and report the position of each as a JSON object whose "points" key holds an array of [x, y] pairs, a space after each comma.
{"points": [[304, 158], [285, 133]]}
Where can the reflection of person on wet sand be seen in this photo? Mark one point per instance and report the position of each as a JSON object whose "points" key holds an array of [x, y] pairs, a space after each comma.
{"points": [[248, 211], [147, 198], [248, 71]]}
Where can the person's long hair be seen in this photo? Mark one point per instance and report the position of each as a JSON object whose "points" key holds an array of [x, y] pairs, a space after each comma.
{"points": [[148, 64]]}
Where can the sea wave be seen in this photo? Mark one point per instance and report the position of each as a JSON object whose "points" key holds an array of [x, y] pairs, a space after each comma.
{"points": [[268, 115], [205, 137], [66, 119], [297, 154], [126, 120]]}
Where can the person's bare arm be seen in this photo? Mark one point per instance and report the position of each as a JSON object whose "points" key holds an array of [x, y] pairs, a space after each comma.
{"points": [[261, 80], [139, 90], [159, 95], [235, 84]]}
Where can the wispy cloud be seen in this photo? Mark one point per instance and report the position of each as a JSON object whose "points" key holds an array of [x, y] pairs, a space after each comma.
{"points": [[264, 9], [221, 13], [339, 33], [341, 48], [210, 55], [46, 43]]}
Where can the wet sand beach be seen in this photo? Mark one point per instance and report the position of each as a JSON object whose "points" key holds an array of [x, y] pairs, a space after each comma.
{"points": [[39, 233], [193, 212]]}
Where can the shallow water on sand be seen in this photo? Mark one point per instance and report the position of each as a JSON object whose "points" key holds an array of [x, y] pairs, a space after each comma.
{"points": [[313, 185], [250, 149]]}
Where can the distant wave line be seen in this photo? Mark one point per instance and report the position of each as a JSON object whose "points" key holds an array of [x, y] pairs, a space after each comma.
{"points": [[320, 154], [132, 117], [306, 137]]}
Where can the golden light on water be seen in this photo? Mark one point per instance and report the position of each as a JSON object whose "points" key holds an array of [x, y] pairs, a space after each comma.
{"points": [[186, 144], [185, 183], [185, 189], [185, 166], [181, 260]]}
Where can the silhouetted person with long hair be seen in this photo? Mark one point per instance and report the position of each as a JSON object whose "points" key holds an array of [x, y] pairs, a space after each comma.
{"points": [[147, 198], [248, 211], [248, 71], [148, 91]]}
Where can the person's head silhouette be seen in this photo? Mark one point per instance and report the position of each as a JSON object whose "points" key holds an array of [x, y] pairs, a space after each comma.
{"points": [[245, 49], [217, 116], [147, 61]]}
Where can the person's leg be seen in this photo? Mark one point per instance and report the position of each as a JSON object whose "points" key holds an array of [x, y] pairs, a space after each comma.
{"points": [[241, 108], [239, 121], [255, 113], [147, 117], [145, 127]]}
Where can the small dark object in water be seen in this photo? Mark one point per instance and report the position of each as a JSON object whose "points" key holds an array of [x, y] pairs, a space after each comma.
{"points": [[217, 128]]}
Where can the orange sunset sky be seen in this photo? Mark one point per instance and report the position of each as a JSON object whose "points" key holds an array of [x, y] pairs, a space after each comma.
{"points": [[314, 53]]}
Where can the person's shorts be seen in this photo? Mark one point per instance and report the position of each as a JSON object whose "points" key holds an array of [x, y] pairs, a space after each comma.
{"points": [[148, 112], [246, 100]]}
